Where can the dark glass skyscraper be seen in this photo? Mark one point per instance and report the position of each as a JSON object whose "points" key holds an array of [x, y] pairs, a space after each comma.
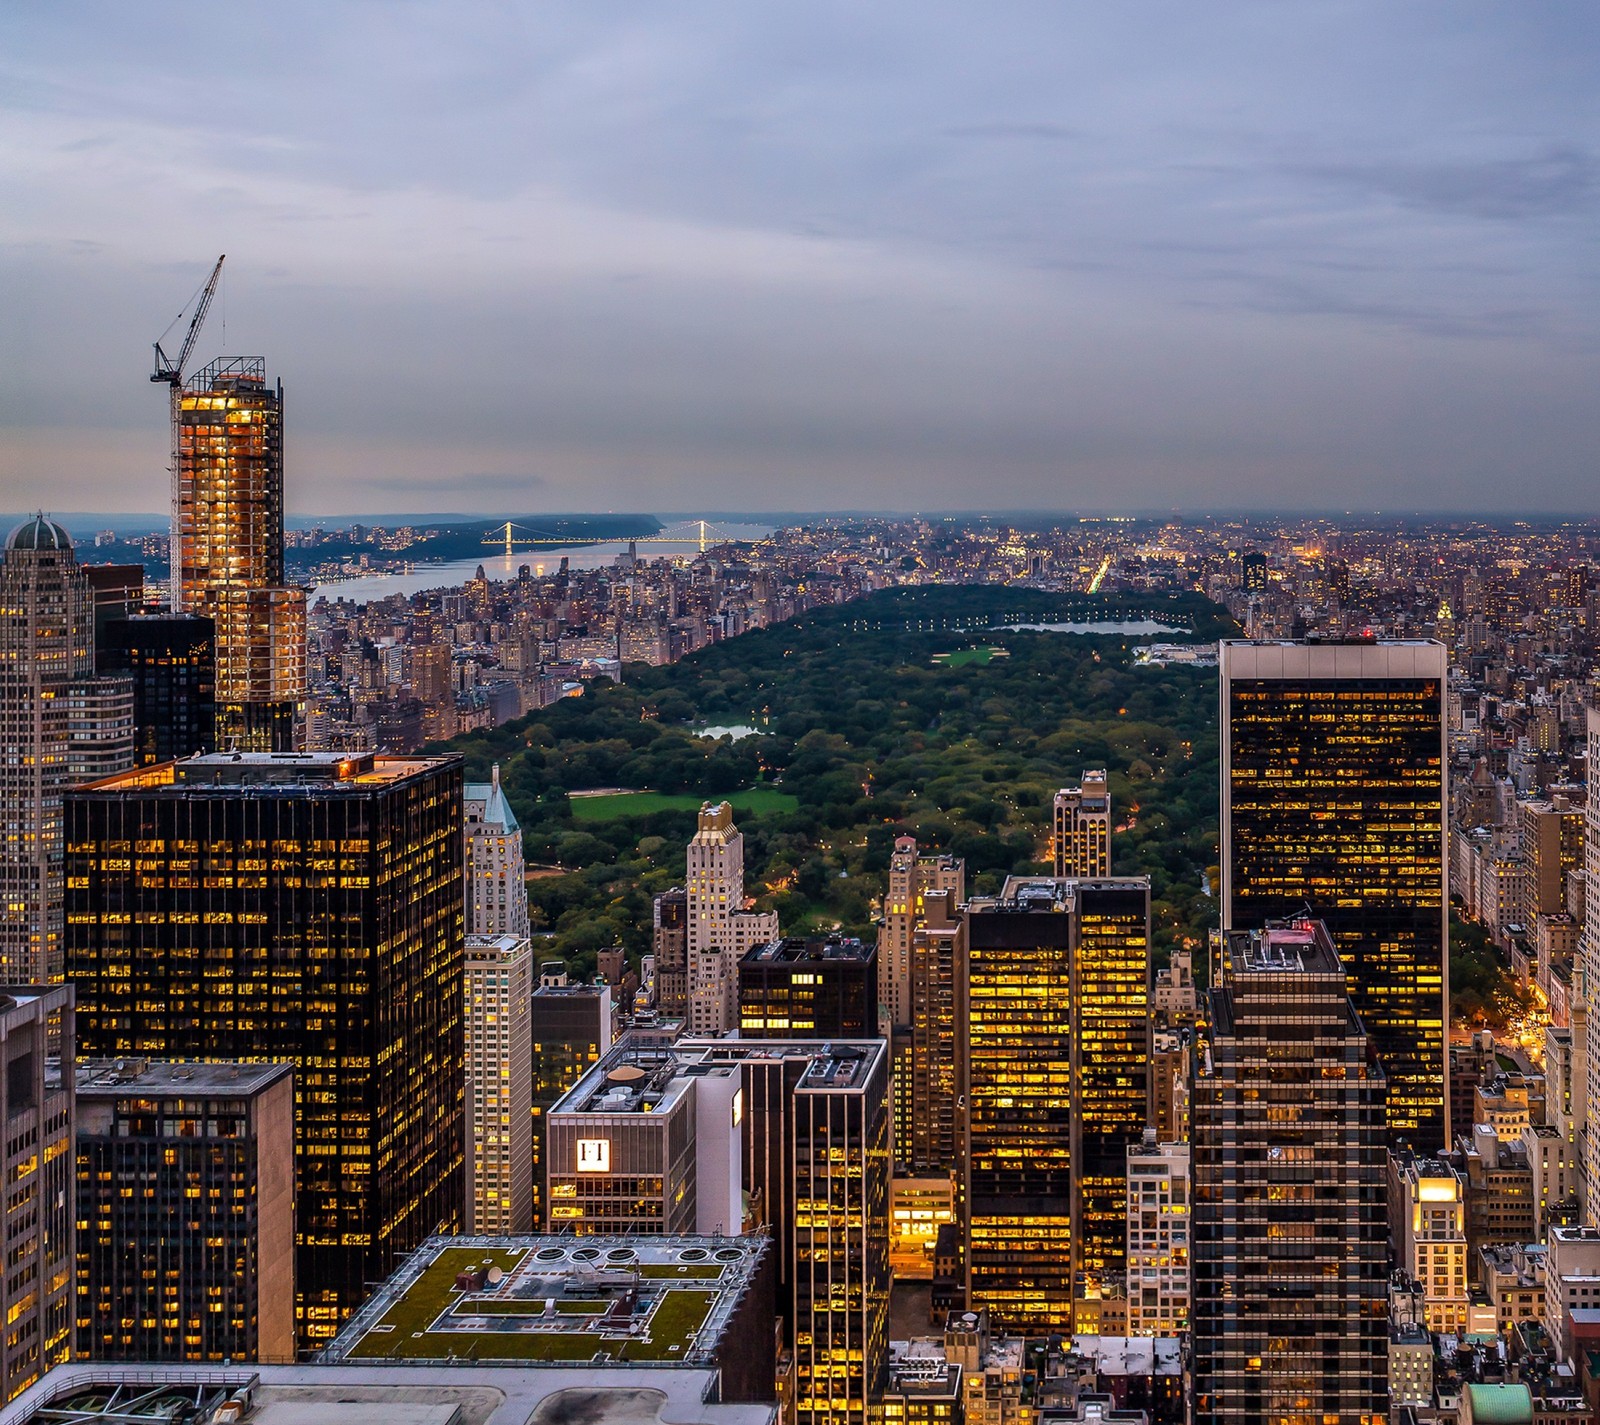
{"points": [[809, 989], [1290, 1253], [171, 659], [1052, 1046], [1333, 798], [308, 908]]}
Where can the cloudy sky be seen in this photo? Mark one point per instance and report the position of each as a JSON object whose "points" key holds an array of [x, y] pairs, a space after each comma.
{"points": [[682, 256]]}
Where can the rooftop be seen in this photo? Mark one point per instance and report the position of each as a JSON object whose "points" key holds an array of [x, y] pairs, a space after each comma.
{"points": [[1296, 947], [169, 1078], [377, 1394], [324, 770], [793, 950], [574, 1301]]}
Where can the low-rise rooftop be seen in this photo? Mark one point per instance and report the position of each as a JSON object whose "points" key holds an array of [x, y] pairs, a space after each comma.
{"points": [[556, 1301]]}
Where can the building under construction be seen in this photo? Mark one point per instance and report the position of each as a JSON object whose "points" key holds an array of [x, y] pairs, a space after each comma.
{"points": [[227, 538]]}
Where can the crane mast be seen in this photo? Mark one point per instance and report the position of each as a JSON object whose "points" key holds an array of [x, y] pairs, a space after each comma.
{"points": [[169, 370]]}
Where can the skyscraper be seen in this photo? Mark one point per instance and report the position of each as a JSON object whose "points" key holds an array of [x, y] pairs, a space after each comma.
{"points": [[497, 885], [925, 1126], [53, 712], [228, 549], [1290, 1305], [815, 1146], [171, 660], [252, 906], [669, 942], [198, 1263], [36, 1291], [499, 974], [1052, 1042], [720, 929], [912, 877], [1333, 797], [1082, 842]]}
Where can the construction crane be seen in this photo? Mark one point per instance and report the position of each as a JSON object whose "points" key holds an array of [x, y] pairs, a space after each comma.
{"points": [[170, 370]]}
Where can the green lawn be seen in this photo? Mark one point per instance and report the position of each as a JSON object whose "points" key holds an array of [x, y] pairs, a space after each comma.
{"points": [[754, 801], [962, 657]]}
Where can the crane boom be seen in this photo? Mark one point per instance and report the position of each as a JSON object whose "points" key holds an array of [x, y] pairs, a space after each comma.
{"points": [[167, 369]]}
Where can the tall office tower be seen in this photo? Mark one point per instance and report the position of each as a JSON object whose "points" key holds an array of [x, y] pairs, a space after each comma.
{"points": [[912, 878], [720, 929], [171, 661], [497, 882], [1053, 1059], [1333, 797], [46, 649], [308, 908], [1290, 1313], [809, 989], [36, 1291], [925, 1128], [499, 973], [816, 1168], [1082, 843], [228, 549], [1159, 1219], [669, 942], [570, 1028], [198, 1263]]}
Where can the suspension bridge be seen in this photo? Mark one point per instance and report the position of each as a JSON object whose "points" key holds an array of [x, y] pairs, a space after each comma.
{"points": [[704, 533]]}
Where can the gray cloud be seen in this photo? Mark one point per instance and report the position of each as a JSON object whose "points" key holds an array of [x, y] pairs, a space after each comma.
{"points": [[781, 256]]}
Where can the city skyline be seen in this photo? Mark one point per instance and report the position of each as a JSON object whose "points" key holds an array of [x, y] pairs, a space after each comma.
{"points": [[1153, 258]]}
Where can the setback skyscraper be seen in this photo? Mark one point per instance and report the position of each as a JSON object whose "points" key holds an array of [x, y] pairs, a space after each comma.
{"points": [[1082, 820], [720, 929], [252, 906], [1333, 798], [1290, 1306]]}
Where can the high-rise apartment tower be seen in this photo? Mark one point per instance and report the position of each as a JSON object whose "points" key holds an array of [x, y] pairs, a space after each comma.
{"points": [[228, 561], [1333, 798]]}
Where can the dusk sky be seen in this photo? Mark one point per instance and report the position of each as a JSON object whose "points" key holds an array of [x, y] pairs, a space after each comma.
{"points": [[684, 256]]}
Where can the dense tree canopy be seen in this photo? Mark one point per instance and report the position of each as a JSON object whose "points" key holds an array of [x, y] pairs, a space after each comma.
{"points": [[873, 739]]}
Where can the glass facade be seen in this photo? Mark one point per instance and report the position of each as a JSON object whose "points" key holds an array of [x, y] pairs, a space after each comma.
{"points": [[171, 660], [1334, 799], [304, 909], [1053, 1065]]}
